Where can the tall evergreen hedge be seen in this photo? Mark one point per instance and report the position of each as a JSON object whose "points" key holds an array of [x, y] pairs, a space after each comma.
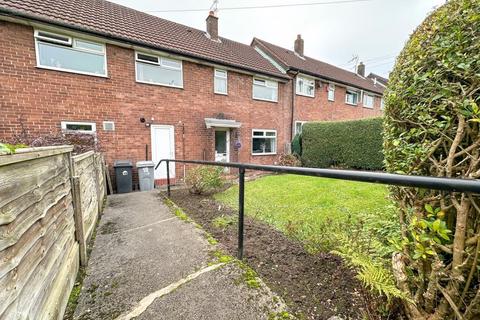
{"points": [[354, 144]]}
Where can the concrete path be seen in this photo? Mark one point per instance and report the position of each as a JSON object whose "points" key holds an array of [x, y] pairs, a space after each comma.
{"points": [[148, 264]]}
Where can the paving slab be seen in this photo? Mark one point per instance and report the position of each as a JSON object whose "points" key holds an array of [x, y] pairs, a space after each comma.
{"points": [[148, 264]]}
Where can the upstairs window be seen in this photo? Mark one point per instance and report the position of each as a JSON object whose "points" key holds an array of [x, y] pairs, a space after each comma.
{"points": [[265, 90], [158, 70], [367, 100], [305, 86], [331, 92], [64, 53], [382, 103], [264, 142], [220, 81], [351, 97]]}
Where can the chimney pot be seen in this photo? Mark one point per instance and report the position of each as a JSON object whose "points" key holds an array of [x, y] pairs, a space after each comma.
{"points": [[298, 47], [212, 25], [361, 69]]}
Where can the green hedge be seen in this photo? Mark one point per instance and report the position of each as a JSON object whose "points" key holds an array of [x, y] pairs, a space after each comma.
{"points": [[354, 144]]}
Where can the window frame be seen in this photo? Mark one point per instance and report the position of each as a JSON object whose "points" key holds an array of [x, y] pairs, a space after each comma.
{"points": [[71, 43], [382, 103], [331, 88], [304, 78], [64, 124], [219, 77], [160, 65], [266, 85], [347, 90], [264, 136], [363, 100], [296, 122]]}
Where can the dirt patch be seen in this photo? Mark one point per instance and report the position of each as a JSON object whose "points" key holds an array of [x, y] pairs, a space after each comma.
{"points": [[315, 286]]}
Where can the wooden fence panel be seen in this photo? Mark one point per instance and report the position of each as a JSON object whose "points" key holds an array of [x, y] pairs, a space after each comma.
{"points": [[88, 169], [38, 251], [49, 206]]}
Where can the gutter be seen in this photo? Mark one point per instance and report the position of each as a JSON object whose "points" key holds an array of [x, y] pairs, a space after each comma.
{"points": [[19, 14]]}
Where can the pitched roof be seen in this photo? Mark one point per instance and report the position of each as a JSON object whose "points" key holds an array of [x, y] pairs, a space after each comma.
{"points": [[117, 22], [291, 60], [380, 79]]}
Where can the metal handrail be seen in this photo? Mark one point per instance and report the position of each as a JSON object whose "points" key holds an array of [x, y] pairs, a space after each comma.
{"points": [[435, 183]]}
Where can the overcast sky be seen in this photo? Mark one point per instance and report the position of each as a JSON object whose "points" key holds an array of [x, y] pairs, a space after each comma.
{"points": [[373, 30]]}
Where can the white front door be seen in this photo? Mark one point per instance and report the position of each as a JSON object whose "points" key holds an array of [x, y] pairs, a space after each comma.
{"points": [[222, 145], [163, 147]]}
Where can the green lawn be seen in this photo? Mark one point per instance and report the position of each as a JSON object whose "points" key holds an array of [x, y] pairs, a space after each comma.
{"points": [[320, 212]]}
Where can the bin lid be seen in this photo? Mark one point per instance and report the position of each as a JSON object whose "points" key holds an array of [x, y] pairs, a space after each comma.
{"points": [[122, 163], [142, 164]]}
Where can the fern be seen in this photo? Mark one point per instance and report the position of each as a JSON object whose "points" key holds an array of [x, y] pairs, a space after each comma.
{"points": [[371, 271]]}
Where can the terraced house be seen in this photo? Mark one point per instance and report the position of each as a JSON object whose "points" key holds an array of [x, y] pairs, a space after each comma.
{"points": [[323, 92], [151, 88]]}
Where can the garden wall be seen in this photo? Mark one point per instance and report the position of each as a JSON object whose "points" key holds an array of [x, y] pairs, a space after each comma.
{"points": [[353, 144], [40, 238]]}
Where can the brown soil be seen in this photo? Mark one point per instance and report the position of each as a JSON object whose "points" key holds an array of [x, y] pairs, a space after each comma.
{"points": [[314, 286]]}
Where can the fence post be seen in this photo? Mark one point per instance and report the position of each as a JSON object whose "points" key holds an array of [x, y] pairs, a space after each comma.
{"points": [[241, 205], [78, 219], [168, 178]]}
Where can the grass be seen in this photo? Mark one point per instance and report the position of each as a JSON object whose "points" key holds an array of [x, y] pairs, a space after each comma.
{"points": [[319, 211]]}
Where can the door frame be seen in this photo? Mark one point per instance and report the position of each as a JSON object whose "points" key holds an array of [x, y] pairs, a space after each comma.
{"points": [[172, 144], [227, 141]]}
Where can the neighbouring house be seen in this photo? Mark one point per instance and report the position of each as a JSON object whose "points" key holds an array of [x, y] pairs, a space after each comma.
{"points": [[149, 88], [378, 79], [323, 92]]}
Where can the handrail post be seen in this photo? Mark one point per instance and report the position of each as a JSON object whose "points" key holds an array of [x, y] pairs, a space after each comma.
{"points": [[168, 178], [241, 207]]}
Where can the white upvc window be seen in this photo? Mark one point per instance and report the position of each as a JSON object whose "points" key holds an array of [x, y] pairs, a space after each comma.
{"points": [[264, 142], [265, 89], [331, 92], [158, 70], [382, 103], [220, 84], [305, 86], [299, 126], [79, 127], [368, 100], [65, 53], [351, 97]]}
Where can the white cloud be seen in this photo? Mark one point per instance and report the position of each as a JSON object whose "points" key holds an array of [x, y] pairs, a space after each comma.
{"points": [[376, 30]]}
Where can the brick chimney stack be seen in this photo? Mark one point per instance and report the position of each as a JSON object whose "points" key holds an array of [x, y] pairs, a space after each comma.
{"points": [[212, 25], [299, 45], [361, 69]]}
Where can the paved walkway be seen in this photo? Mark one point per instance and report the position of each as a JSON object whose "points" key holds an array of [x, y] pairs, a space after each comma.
{"points": [[148, 264]]}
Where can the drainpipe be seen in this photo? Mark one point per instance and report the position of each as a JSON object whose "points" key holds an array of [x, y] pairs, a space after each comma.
{"points": [[292, 122]]}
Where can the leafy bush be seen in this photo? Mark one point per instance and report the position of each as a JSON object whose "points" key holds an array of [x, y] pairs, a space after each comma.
{"points": [[354, 144], [6, 148], [289, 160], [297, 145], [204, 179], [432, 128]]}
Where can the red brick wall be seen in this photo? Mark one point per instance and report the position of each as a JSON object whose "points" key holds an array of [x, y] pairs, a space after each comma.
{"points": [[38, 100], [319, 108]]}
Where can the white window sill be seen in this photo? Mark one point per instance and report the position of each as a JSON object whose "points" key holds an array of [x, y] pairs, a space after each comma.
{"points": [[266, 100], [352, 104], [264, 154], [159, 84], [331, 100], [304, 95], [73, 71], [367, 107], [222, 93]]}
